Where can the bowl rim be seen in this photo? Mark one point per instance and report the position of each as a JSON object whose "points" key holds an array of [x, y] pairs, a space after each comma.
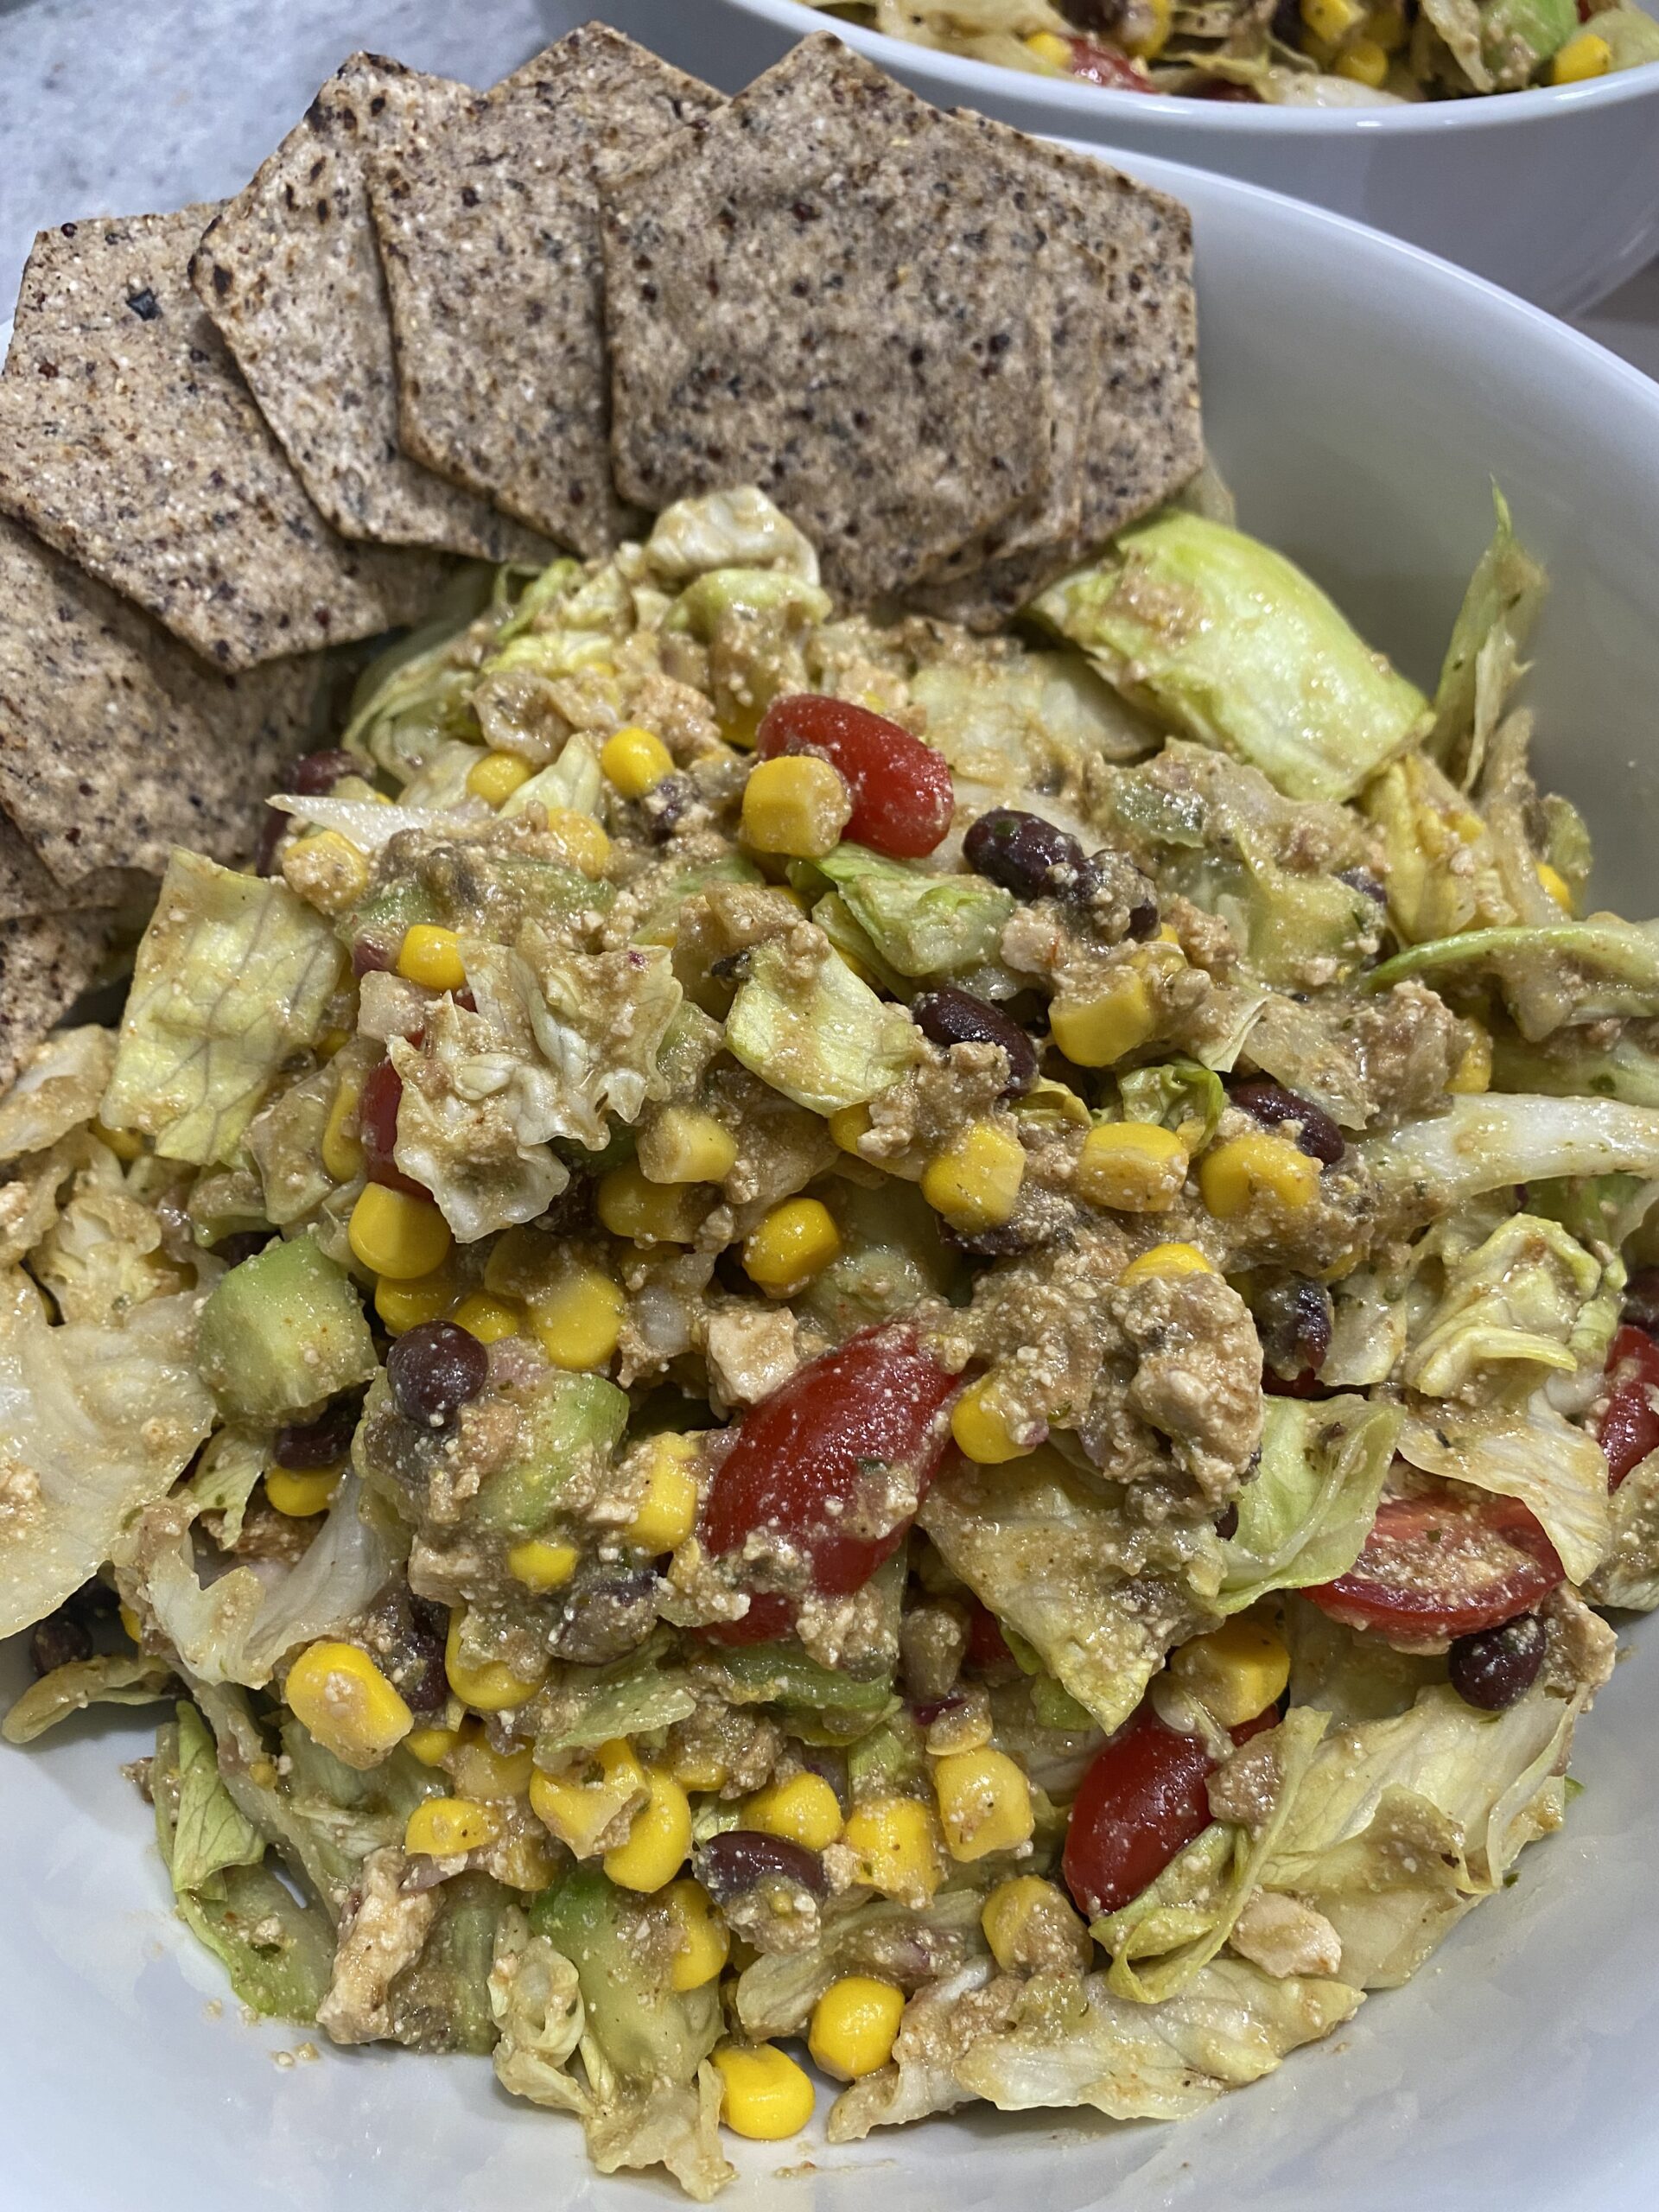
{"points": [[976, 82]]}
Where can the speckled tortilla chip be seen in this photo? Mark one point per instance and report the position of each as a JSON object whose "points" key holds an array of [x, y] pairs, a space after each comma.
{"points": [[116, 743], [129, 441], [46, 962], [832, 293], [27, 887], [488, 225], [290, 273]]}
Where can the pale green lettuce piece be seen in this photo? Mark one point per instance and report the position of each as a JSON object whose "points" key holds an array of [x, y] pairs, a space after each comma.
{"points": [[1597, 968], [822, 1038], [1632, 34], [1528, 1295], [416, 695], [102, 1256], [713, 599], [58, 1091], [776, 1993], [1629, 1574], [587, 1706], [1303, 1518], [1495, 1141], [1182, 1094], [1530, 1453], [232, 978], [208, 1832], [1482, 660], [1019, 725], [59, 1695], [1569, 1065], [573, 784], [725, 530], [1226, 640], [921, 924]]}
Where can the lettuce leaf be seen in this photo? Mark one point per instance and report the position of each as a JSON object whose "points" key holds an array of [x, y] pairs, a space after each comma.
{"points": [[1305, 1514], [1482, 660], [59, 1091], [102, 1258], [1629, 1574], [116, 1679], [208, 1832], [232, 977], [1529, 1294], [1529, 1452], [1493, 1141], [920, 924], [587, 1706], [1182, 1094], [1583, 971], [572, 784], [776, 1993], [725, 530], [822, 1038]]}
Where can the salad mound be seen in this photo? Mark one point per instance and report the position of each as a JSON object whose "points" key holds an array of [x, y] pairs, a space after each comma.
{"points": [[808, 1327]]}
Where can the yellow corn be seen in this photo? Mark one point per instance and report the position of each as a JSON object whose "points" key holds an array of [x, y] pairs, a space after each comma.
{"points": [[897, 1847], [401, 1305], [847, 1125], [1473, 1072], [1145, 45], [765, 2095], [1168, 1260], [578, 1319], [649, 1213], [1555, 885], [1049, 46], [974, 1181], [1332, 20], [341, 1696], [1388, 27], [525, 1861], [449, 1827], [396, 1234], [130, 1623], [667, 1514], [431, 957], [489, 1318], [431, 1746], [803, 1809], [543, 1564], [796, 1242], [855, 2025], [299, 1492], [327, 870], [1095, 1032], [496, 776], [795, 805], [1236, 1671], [1014, 1912], [684, 1144], [701, 1946], [1581, 58], [1131, 1167], [478, 1771], [700, 1768], [636, 761], [125, 1144], [487, 1686], [577, 1809], [1234, 1175], [980, 1429], [342, 1152], [659, 1839], [583, 843], [1364, 61], [984, 1803]]}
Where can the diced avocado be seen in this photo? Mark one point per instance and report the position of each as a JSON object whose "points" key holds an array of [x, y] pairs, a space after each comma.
{"points": [[392, 909], [570, 1417], [721, 592], [689, 1046], [662, 923], [442, 2001], [889, 1759], [821, 1037], [1515, 36], [920, 924], [781, 1673], [647, 2030], [283, 1330]]}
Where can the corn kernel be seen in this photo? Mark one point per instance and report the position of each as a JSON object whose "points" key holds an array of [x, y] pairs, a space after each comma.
{"points": [[974, 1181], [847, 1125], [700, 1768], [1147, 44], [396, 1234], [1332, 20], [401, 1305], [667, 1514], [431, 1746], [1093, 1033], [299, 1492], [636, 761], [1049, 46], [341, 1696], [581, 842], [488, 1686], [489, 1318], [1168, 1260], [795, 805], [795, 1242], [578, 1810], [765, 2095], [1581, 59], [130, 1623], [1363, 62], [431, 957], [683, 1145], [525, 1859], [897, 1844], [1015, 1909], [984, 1803], [980, 1429], [478, 1771], [332, 1041], [496, 776], [541, 1563], [649, 1213], [659, 1840], [1236, 1671], [803, 1809], [1473, 1072], [327, 870], [449, 1827], [1131, 1167], [702, 1945], [1555, 886], [1233, 1176], [342, 1152], [1388, 27], [855, 2025], [578, 1319]]}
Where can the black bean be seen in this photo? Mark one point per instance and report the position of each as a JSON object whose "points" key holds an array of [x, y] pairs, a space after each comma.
{"points": [[273, 827], [1641, 1308], [1271, 1105], [1498, 1666], [434, 1368], [730, 1865], [1359, 879], [57, 1641], [323, 1442], [1029, 856], [316, 775], [1292, 1317], [665, 805], [1227, 1524], [605, 1621], [1094, 15], [242, 1244], [1286, 24], [422, 1682], [948, 1016], [1144, 916]]}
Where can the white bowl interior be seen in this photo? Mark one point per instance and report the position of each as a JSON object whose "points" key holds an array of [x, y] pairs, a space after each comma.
{"points": [[1360, 398]]}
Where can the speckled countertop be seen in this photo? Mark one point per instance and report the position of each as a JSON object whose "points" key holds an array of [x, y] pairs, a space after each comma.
{"points": [[111, 106]]}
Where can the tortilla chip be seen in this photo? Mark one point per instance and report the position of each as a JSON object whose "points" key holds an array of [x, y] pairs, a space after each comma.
{"points": [[488, 223], [116, 743], [290, 274], [830, 292], [46, 962], [129, 441], [26, 885]]}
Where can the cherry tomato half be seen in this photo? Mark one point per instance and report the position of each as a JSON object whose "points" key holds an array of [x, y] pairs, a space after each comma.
{"points": [[1143, 1800], [902, 796], [987, 1649], [377, 1123], [1098, 65], [1438, 1566], [1629, 1427], [801, 1455]]}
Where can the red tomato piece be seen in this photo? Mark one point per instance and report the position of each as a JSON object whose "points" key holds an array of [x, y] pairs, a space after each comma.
{"points": [[1629, 1427], [1098, 65], [987, 1648], [1438, 1566], [377, 1123], [1143, 1800], [1268, 1718], [902, 796], [802, 1456]]}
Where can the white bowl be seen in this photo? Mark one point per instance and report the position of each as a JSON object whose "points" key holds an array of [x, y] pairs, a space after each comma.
{"points": [[1361, 397], [1553, 194]]}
